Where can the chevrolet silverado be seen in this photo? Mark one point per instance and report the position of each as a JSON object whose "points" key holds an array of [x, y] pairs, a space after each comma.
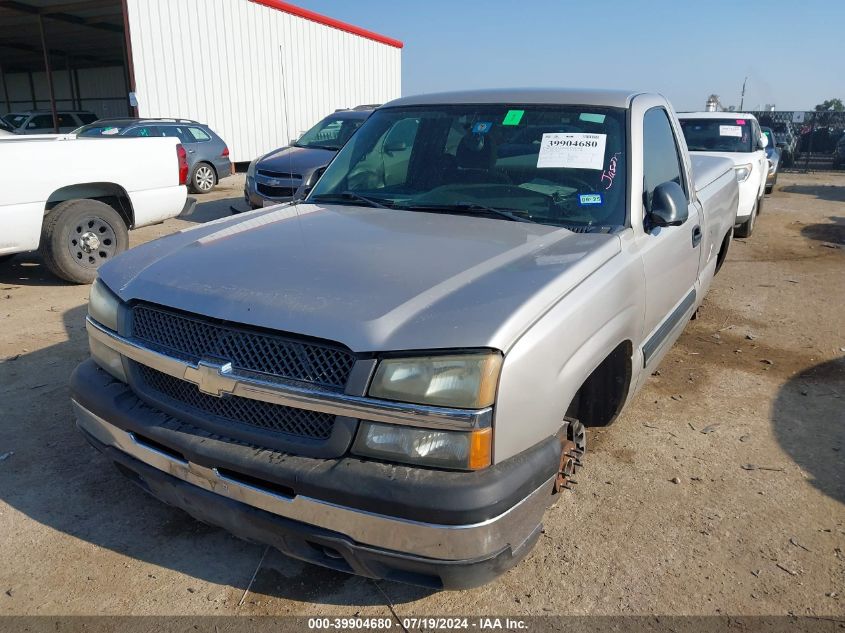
{"points": [[393, 377]]}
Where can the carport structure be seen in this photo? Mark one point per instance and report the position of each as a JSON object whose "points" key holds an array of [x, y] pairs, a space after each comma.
{"points": [[56, 54]]}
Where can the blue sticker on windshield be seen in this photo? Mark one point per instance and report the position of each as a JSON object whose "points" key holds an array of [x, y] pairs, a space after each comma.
{"points": [[589, 198], [482, 127]]}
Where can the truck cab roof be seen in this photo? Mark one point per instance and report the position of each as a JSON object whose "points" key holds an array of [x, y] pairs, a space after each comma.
{"points": [[563, 96]]}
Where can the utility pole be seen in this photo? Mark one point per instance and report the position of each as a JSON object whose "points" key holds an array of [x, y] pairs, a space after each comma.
{"points": [[742, 97]]}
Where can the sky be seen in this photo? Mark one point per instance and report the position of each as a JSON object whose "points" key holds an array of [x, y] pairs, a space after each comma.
{"points": [[793, 53]]}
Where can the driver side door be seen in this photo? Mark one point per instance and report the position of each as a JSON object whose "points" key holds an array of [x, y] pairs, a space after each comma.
{"points": [[670, 254]]}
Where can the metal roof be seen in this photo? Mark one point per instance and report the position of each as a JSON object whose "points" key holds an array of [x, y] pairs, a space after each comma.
{"points": [[573, 96]]}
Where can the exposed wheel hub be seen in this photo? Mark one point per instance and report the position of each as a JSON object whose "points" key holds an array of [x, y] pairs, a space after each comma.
{"points": [[89, 242], [92, 241], [573, 445]]}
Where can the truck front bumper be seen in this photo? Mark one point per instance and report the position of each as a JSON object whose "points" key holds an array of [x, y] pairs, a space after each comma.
{"points": [[378, 532]]}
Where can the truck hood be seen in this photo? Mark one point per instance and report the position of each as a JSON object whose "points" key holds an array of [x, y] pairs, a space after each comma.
{"points": [[372, 279]]}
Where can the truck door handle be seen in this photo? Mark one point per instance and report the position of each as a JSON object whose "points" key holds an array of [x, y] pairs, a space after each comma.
{"points": [[696, 236]]}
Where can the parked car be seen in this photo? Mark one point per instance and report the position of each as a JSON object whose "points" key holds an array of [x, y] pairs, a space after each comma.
{"points": [[734, 135], [289, 173], [41, 121], [208, 154], [773, 154], [393, 377], [839, 153], [75, 199]]}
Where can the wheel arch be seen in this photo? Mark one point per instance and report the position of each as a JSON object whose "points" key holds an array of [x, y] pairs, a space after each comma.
{"points": [[600, 397], [107, 192], [722, 255]]}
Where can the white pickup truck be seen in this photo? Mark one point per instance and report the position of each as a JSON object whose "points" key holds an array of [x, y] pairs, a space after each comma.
{"points": [[392, 377], [76, 199]]}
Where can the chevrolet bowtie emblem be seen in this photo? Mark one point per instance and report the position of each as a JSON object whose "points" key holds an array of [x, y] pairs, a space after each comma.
{"points": [[212, 378]]}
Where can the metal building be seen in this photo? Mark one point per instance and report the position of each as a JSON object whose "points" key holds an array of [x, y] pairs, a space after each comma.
{"points": [[259, 72]]}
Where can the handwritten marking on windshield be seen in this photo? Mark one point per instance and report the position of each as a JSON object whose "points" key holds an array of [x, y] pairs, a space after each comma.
{"points": [[610, 173]]}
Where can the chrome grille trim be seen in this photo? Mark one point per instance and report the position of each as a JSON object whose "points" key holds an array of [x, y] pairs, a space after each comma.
{"points": [[294, 394], [237, 410]]}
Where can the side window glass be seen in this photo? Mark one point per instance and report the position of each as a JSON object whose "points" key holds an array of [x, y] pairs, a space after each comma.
{"points": [[661, 162], [198, 134], [143, 131], [177, 132], [42, 120]]}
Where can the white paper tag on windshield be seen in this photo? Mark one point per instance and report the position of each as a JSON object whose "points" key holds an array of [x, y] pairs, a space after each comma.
{"points": [[730, 130], [572, 150]]}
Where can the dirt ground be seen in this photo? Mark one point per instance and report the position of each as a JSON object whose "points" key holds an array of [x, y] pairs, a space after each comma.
{"points": [[747, 412]]}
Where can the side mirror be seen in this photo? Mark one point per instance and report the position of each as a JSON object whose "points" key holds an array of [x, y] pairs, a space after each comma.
{"points": [[668, 205], [764, 141]]}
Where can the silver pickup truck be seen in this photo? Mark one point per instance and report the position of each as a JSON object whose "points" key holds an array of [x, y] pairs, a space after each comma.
{"points": [[393, 377]]}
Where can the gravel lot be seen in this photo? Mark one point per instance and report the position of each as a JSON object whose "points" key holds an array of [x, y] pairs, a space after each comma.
{"points": [[747, 412]]}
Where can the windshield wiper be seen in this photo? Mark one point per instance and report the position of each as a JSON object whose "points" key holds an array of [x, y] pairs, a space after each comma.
{"points": [[462, 207], [350, 195], [330, 148]]}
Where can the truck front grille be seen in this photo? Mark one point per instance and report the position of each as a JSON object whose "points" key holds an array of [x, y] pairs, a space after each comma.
{"points": [[195, 338], [234, 409]]}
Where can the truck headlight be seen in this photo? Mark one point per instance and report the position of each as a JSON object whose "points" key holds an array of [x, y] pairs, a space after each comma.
{"points": [[250, 171], [743, 172], [103, 306], [463, 381], [458, 450]]}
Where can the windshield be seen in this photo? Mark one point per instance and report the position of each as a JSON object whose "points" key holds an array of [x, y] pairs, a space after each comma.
{"points": [[718, 135], [15, 120], [559, 165], [330, 133], [101, 129]]}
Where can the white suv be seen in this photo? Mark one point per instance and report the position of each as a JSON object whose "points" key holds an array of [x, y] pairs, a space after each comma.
{"points": [[41, 121], [734, 135]]}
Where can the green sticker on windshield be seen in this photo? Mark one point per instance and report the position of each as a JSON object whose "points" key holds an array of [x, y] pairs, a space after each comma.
{"points": [[513, 117], [592, 118]]}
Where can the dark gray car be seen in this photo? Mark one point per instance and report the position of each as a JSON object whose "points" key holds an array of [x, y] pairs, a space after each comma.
{"points": [[289, 173], [208, 155]]}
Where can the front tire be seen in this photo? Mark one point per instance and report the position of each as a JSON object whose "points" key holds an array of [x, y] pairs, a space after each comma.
{"points": [[747, 228], [203, 178], [79, 236]]}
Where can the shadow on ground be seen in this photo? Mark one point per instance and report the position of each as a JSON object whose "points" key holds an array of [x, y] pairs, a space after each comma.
{"points": [[808, 417], [833, 232], [57, 479], [833, 193]]}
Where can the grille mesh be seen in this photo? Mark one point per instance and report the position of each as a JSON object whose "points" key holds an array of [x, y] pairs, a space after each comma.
{"points": [[263, 415], [249, 350]]}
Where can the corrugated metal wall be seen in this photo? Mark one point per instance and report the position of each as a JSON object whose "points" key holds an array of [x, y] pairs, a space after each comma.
{"points": [[256, 75]]}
